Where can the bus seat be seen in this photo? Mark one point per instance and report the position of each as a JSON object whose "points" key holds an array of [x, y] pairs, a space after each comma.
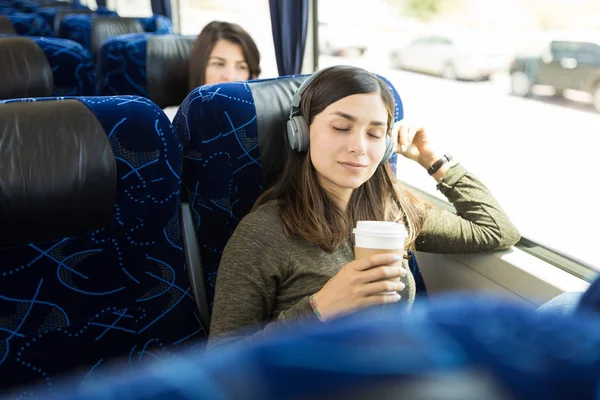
{"points": [[6, 26], [61, 13], [78, 28], [465, 347], [50, 14], [92, 30], [153, 66], [24, 69], [4, 10], [233, 136], [103, 28], [91, 259], [157, 24], [30, 25], [25, 6], [72, 68]]}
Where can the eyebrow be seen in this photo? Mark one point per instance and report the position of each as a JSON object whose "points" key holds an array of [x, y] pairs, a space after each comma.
{"points": [[223, 59], [353, 119]]}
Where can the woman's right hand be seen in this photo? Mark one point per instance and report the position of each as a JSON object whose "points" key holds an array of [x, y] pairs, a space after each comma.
{"points": [[360, 284]]}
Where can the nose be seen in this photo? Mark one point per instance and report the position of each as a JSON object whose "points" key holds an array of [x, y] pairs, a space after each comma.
{"points": [[357, 143], [228, 74]]}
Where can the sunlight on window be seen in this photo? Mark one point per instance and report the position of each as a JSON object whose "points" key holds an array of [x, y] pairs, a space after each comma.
{"points": [[133, 8], [510, 87], [253, 16]]}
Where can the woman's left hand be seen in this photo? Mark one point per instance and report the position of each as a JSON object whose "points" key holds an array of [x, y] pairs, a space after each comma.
{"points": [[413, 143]]}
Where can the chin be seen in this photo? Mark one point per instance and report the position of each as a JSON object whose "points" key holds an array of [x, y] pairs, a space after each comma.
{"points": [[346, 183]]}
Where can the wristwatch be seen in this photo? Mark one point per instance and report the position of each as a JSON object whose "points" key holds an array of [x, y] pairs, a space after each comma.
{"points": [[438, 164]]}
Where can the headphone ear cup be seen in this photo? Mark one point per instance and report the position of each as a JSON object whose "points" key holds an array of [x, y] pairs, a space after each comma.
{"points": [[292, 134], [389, 149], [298, 133]]}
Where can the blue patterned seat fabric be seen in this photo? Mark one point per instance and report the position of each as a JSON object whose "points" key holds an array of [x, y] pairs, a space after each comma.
{"points": [[49, 13], [122, 65], [31, 25], [118, 291], [8, 10], [157, 24], [222, 166], [459, 347], [79, 27], [25, 6], [72, 67]]}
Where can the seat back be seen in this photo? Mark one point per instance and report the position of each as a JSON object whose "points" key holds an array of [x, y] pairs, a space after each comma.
{"points": [[157, 24], [49, 13], [153, 66], [78, 28], [104, 28], [72, 67], [61, 13], [30, 25], [233, 136], [24, 69], [91, 259], [73, 72], [465, 347]]}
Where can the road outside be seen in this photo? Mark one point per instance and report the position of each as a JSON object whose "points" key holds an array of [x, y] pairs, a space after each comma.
{"points": [[538, 156]]}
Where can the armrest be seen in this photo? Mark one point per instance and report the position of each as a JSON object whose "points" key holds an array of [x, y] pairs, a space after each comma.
{"points": [[193, 261]]}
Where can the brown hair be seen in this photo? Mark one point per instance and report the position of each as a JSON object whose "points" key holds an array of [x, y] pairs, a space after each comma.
{"points": [[307, 210], [205, 42]]}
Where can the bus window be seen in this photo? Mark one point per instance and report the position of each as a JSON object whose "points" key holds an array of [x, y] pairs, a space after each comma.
{"points": [[131, 8], [535, 147], [253, 16]]}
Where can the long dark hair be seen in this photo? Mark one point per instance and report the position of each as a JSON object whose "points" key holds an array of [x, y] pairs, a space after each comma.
{"points": [[203, 46], [307, 210]]}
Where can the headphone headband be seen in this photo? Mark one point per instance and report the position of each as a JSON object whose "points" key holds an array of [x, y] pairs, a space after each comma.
{"points": [[298, 94]]}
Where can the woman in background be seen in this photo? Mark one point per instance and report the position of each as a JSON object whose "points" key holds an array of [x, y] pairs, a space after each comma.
{"points": [[222, 52]]}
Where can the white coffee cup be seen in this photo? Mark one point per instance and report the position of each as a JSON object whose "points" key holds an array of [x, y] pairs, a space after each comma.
{"points": [[376, 237]]}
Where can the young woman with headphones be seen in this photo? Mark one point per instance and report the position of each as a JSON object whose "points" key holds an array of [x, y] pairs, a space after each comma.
{"points": [[292, 256]]}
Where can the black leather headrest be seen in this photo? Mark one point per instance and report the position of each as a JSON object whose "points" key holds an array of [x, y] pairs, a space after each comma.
{"points": [[24, 69], [104, 28], [167, 68], [58, 173], [62, 13], [272, 101], [6, 26]]}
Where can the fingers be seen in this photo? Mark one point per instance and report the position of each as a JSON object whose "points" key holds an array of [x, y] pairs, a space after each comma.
{"points": [[376, 260], [380, 299], [382, 273], [394, 135], [406, 136], [403, 141], [382, 287]]}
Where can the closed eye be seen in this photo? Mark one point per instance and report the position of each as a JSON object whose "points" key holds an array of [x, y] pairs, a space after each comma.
{"points": [[341, 129]]}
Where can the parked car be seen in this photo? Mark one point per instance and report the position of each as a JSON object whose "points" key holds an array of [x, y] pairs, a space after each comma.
{"points": [[452, 57], [573, 65], [341, 40]]}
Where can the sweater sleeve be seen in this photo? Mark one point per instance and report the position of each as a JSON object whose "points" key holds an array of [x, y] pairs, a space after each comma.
{"points": [[254, 262], [479, 225]]}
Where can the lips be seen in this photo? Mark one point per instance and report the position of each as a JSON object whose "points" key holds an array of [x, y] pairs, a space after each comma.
{"points": [[353, 167], [353, 164]]}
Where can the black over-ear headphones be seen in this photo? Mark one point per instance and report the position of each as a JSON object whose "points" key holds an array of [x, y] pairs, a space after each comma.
{"points": [[297, 127]]}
